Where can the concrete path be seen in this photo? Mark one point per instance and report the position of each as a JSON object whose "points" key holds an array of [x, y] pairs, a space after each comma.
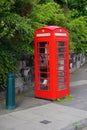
{"points": [[78, 89], [38, 114], [46, 117]]}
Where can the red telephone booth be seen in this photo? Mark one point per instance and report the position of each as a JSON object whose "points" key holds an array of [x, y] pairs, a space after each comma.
{"points": [[51, 58]]}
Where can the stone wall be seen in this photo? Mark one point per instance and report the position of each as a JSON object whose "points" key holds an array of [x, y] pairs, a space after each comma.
{"points": [[26, 69], [26, 78], [76, 61]]}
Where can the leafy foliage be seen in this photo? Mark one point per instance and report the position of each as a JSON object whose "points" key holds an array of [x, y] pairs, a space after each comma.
{"points": [[78, 34], [6, 5], [7, 64], [19, 19], [47, 14], [45, 1], [80, 5], [16, 35]]}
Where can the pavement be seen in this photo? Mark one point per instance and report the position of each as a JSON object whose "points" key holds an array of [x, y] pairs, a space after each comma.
{"points": [[36, 114]]}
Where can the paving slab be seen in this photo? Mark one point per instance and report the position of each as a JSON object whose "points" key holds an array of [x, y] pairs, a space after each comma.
{"points": [[78, 89], [46, 117]]}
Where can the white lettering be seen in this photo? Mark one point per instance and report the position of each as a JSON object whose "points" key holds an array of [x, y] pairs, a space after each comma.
{"points": [[60, 34], [43, 34]]}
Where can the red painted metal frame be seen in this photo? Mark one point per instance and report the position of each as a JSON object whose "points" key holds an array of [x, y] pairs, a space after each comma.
{"points": [[52, 35]]}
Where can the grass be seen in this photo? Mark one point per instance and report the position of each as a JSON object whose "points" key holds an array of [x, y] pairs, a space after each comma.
{"points": [[67, 98]]}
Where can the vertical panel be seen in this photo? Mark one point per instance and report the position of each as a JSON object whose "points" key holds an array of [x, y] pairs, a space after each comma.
{"points": [[61, 63], [43, 65]]}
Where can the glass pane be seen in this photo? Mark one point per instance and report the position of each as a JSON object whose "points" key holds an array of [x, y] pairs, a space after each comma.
{"points": [[44, 69], [44, 75], [61, 68], [44, 84], [43, 81], [61, 62], [42, 44], [41, 50], [60, 74], [61, 80], [61, 55], [62, 86], [61, 43], [44, 60], [42, 87], [60, 49]]}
